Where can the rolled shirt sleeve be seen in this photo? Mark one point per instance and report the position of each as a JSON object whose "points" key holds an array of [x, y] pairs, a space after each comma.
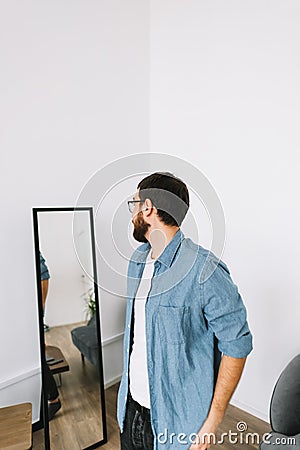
{"points": [[225, 312], [45, 275]]}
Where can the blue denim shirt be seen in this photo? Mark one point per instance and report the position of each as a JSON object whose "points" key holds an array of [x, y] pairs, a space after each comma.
{"points": [[45, 275], [193, 314]]}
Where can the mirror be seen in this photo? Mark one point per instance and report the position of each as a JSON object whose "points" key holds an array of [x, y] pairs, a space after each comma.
{"points": [[72, 399]]}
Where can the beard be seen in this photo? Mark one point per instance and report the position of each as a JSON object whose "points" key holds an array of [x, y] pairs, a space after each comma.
{"points": [[140, 228]]}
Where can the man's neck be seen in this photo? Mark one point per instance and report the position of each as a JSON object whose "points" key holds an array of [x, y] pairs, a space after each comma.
{"points": [[160, 238]]}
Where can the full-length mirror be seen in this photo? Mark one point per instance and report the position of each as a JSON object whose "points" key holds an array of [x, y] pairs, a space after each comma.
{"points": [[72, 397]]}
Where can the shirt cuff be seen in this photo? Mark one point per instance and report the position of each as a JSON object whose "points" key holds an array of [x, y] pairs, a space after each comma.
{"points": [[239, 348]]}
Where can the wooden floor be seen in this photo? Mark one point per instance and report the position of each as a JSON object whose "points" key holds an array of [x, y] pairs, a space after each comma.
{"points": [[75, 426], [78, 424]]}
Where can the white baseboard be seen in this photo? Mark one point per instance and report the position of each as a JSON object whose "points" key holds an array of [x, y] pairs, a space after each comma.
{"points": [[37, 370], [20, 377], [249, 409], [21, 388], [112, 381], [112, 339]]}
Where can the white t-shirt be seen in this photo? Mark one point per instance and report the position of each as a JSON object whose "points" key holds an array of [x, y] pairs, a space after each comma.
{"points": [[139, 383]]}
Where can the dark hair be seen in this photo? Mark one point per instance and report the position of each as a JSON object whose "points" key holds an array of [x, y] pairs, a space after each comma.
{"points": [[168, 194]]}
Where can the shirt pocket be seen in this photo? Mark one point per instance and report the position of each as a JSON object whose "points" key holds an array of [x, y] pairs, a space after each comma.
{"points": [[173, 323]]}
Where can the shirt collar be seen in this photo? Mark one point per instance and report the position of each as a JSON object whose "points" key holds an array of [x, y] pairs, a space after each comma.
{"points": [[167, 255], [169, 252]]}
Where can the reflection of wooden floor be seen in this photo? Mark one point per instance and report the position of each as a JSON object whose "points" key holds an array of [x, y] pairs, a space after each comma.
{"points": [[78, 424]]}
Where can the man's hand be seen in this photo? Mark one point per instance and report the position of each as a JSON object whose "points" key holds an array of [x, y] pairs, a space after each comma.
{"points": [[206, 434]]}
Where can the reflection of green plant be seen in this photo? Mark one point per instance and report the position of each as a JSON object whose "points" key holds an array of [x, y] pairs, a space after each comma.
{"points": [[90, 307]]}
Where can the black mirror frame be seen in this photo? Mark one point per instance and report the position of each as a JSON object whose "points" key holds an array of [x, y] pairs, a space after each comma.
{"points": [[44, 405]]}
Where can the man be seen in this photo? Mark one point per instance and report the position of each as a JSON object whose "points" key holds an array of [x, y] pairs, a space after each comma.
{"points": [[54, 403], [186, 337], [45, 285]]}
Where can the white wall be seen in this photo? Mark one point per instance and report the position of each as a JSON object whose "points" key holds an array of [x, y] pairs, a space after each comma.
{"points": [[74, 88], [68, 284], [225, 96]]}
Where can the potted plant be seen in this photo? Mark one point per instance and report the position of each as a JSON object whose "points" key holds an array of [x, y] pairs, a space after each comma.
{"points": [[90, 307]]}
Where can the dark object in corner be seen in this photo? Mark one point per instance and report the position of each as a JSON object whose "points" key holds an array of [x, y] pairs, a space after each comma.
{"points": [[85, 339], [285, 410]]}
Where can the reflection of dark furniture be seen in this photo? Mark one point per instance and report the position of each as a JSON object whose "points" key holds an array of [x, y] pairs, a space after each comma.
{"points": [[285, 410], [62, 364], [85, 339]]}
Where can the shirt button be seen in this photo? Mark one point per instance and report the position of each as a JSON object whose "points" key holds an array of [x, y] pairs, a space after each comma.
{"points": [[126, 374], [127, 350], [128, 326]]}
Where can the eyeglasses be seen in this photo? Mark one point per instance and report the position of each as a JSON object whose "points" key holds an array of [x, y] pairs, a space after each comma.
{"points": [[131, 204]]}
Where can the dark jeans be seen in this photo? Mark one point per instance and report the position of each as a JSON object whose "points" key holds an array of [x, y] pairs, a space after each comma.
{"points": [[50, 384], [52, 394], [137, 432]]}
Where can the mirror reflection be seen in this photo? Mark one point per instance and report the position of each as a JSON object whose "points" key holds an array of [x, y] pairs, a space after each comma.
{"points": [[73, 370]]}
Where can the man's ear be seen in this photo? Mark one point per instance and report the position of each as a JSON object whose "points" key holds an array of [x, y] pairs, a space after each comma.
{"points": [[148, 207]]}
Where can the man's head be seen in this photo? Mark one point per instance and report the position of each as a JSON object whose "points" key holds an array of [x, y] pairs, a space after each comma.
{"points": [[162, 200]]}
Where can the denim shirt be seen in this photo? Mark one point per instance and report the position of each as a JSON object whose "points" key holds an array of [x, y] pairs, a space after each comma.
{"points": [[45, 275], [193, 314]]}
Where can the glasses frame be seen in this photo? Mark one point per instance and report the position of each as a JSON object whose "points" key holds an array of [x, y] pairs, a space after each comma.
{"points": [[131, 204]]}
